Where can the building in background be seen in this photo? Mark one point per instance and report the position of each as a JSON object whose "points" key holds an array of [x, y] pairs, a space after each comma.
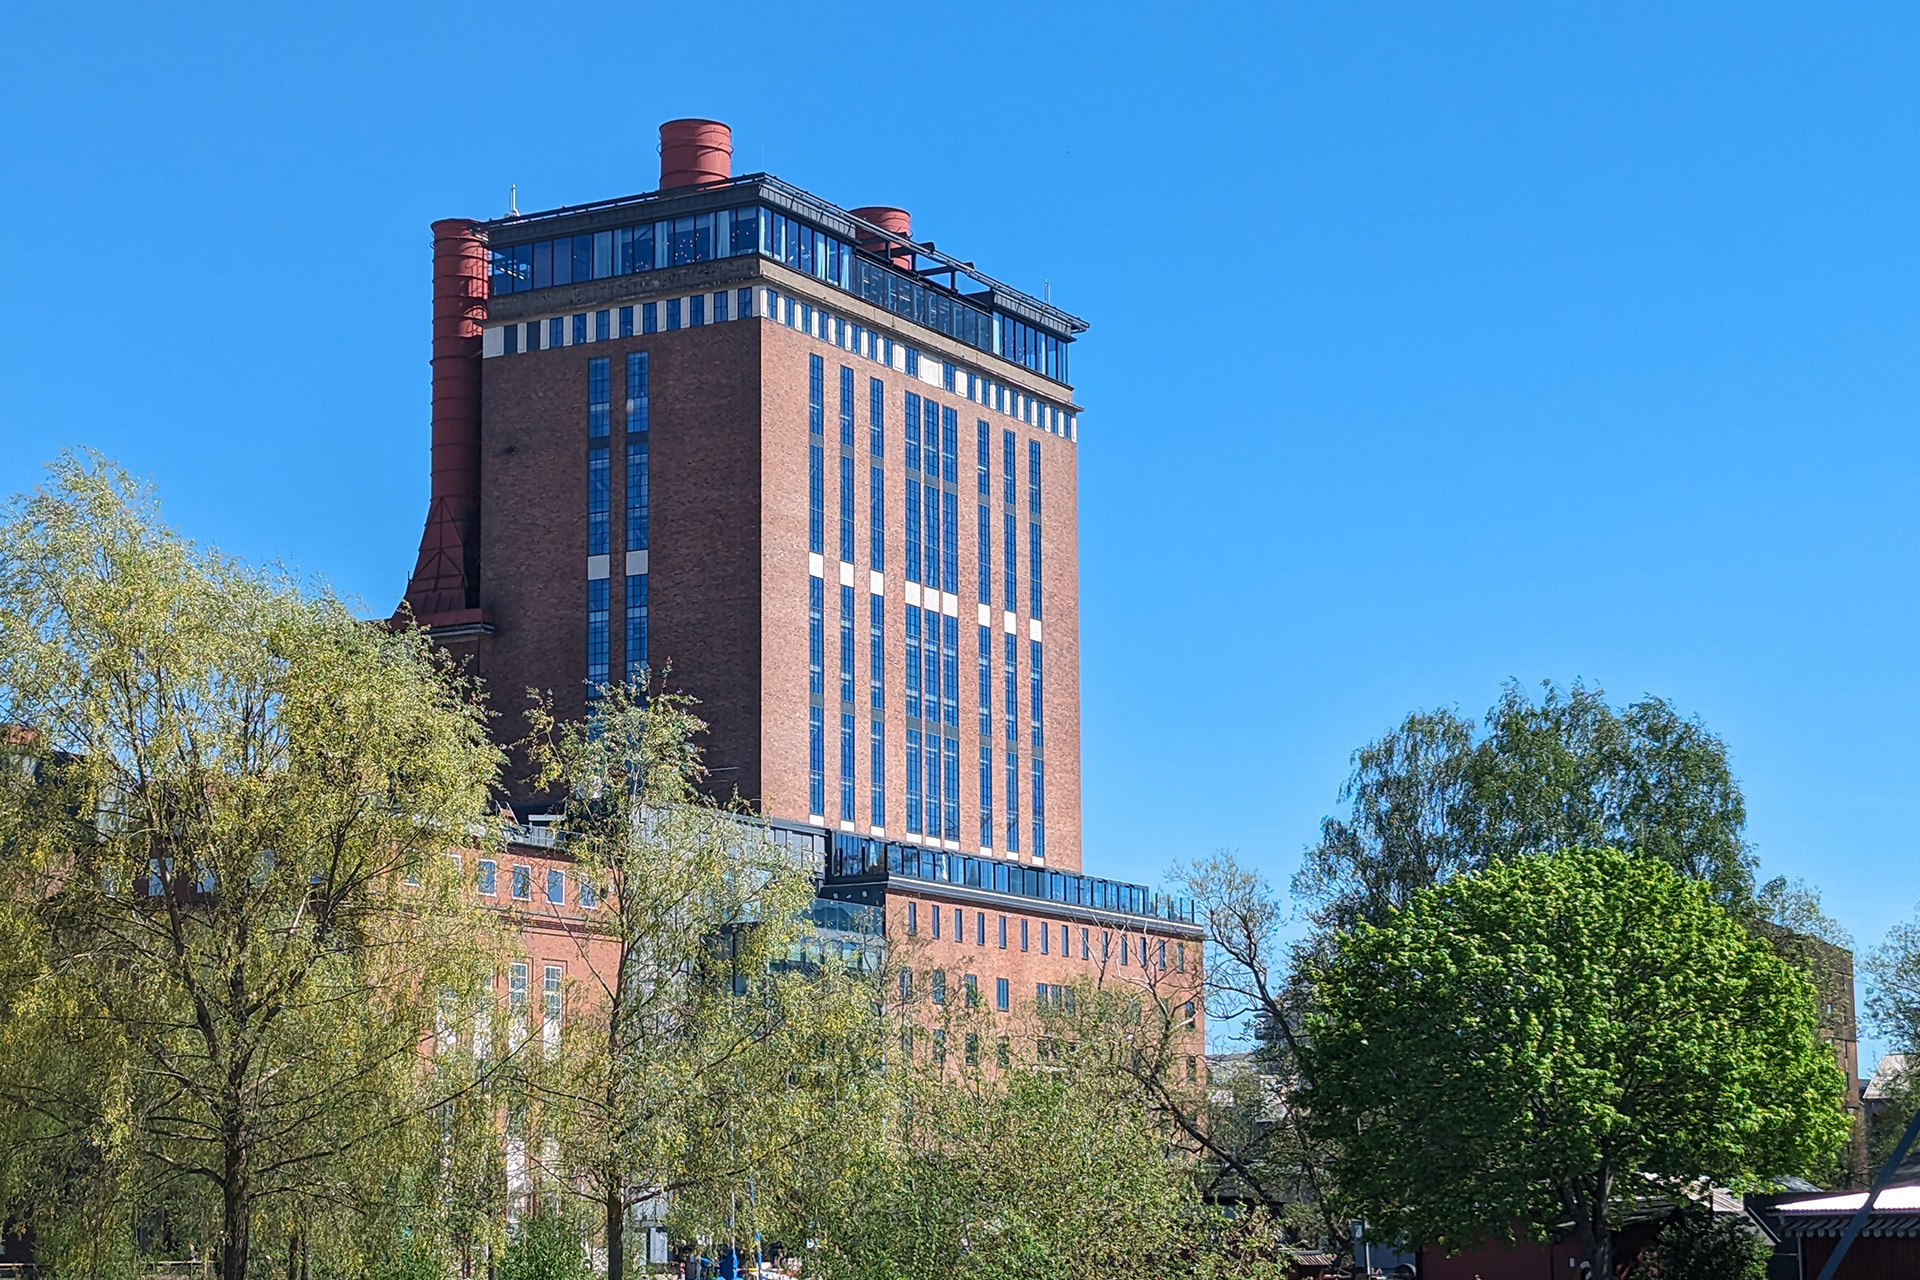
{"points": [[821, 476]]}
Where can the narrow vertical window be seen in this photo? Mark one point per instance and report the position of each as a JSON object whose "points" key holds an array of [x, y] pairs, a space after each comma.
{"points": [[913, 662], [599, 395], [950, 672], [1033, 570], [913, 432], [876, 417], [1007, 480], [876, 652], [816, 763], [950, 541], [636, 391], [1013, 801], [986, 796], [930, 553], [597, 606], [816, 684], [720, 307], [876, 519], [983, 464], [846, 766], [983, 536], [816, 498], [846, 644], [913, 529], [930, 757], [816, 395], [1033, 477], [846, 507], [1012, 688], [1007, 562], [636, 626], [846, 406], [637, 492], [550, 1002], [877, 767], [626, 322], [950, 754], [599, 501], [913, 779], [950, 446], [930, 665], [985, 678], [1034, 703]]}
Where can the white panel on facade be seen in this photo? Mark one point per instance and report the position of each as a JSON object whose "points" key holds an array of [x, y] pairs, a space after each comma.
{"points": [[913, 593], [950, 604], [846, 574], [1033, 629], [876, 582], [636, 562], [815, 565], [598, 567], [493, 342], [1010, 623], [986, 615]]}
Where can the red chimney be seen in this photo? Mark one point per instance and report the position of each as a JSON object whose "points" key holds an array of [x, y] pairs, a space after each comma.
{"points": [[446, 579], [898, 225], [694, 153]]}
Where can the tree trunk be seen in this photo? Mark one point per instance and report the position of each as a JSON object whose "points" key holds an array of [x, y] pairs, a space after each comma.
{"points": [[616, 1236], [236, 1207]]}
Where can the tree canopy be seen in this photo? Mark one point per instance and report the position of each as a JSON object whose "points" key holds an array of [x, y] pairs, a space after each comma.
{"points": [[1438, 797], [1545, 1039]]}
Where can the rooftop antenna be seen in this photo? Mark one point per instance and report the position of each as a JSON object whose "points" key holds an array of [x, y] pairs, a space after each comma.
{"points": [[1046, 291], [513, 199]]}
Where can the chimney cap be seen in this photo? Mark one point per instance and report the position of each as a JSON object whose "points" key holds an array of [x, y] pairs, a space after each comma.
{"points": [[695, 152]]}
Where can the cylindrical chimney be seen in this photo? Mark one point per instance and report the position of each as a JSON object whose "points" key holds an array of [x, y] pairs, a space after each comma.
{"points": [[446, 578], [897, 223], [694, 153]]}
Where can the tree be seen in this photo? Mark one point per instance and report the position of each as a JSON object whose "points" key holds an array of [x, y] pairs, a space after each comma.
{"points": [[700, 1060], [1434, 799], [1545, 1040], [228, 920], [1893, 1010], [1706, 1246]]}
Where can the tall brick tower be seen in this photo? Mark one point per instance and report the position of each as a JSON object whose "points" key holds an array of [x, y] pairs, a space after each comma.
{"points": [[821, 471]]}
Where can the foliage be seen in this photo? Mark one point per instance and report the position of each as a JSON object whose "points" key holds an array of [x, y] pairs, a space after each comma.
{"points": [[1542, 1040], [1699, 1246], [1434, 799], [545, 1247], [226, 920], [699, 1063], [1893, 1000]]}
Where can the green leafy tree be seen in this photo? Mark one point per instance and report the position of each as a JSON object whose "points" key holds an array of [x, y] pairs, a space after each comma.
{"points": [[226, 911], [1434, 799], [1703, 1246], [701, 1062], [1547, 1039]]}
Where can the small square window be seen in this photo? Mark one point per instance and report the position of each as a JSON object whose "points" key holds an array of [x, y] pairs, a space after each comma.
{"points": [[602, 325], [557, 887], [626, 322], [589, 896], [483, 876], [523, 883]]}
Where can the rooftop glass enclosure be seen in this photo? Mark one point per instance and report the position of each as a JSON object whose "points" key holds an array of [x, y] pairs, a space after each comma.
{"points": [[858, 857], [967, 317]]}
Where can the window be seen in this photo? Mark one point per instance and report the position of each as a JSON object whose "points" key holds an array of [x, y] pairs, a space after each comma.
{"points": [[599, 500], [599, 393], [1013, 802], [1106, 945], [939, 1047], [876, 418], [1187, 1014], [649, 317], [979, 928], [913, 529], [1001, 997], [484, 877], [913, 431], [983, 677], [1006, 467], [983, 545], [745, 298], [1039, 803], [959, 925], [913, 767], [938, 981], [626, 322], [556, 332], [1003, 1053], [846, 644], [1023, 935], [951, 758], [913, 919], [550, 1006], [636, 391], [512, 336], [971, 985], [986, 795], [517, 1002], [816, 498], [556, 887], [1123, 951], [597, 641], [913, 363], [1033, 570], [1161, 947], [973, 1049], [876, 519], [602, 325], [816, 760], [1046, 932], [877, 768], [1180, 957], [846, 409], [846, 508], [697, 309], [846, 766], [816, 640], [533, 335], [1193, 1069], [589, 896], [636, 626], [523, 882], [1034, 690], [1012, 665], [1009, 575], [936, 914], [673, 313], [720, 307], [876, 652], [906, 976], [1003, 933], [1033, 477]]}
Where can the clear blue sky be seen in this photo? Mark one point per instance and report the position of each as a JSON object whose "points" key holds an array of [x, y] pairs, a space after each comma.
{"points": [[1432, 344]]}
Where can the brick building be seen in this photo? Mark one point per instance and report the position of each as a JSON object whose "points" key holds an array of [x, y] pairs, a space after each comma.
{"points": [[821, 476]]}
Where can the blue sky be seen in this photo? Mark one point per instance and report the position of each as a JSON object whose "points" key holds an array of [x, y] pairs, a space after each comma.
{"points": [[1432, 345]]}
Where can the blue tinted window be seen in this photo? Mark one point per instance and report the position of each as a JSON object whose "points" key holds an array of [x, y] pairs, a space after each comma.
{"points": [[983, 460], [599, 499], [913, 663], [720, 307], [846, 766], [816, 760], [533, 335], [599, 396], [816, 485], [846, 509], [876, 652], [913, 776], [984, 537], [876, 417], [543, 264], [1033, 569], [1033, 477], [637, 391], [636, 626], [986, 796], [512, 337], [579, 329], [582, 258], [650, 317], [846, 650], [697, 309], [673, 313], [816, 642], [637, 493], [556, 332], [816, 396], [596, 634], [877, 767], [876, 519], [913, 530], [846, 407], [913, 431], [626, 322], [745, 298]]}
